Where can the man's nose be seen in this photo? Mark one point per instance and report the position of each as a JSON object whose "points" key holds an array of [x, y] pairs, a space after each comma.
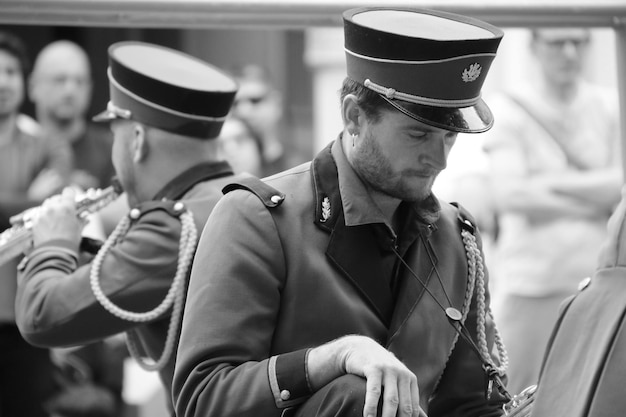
{"points": [[437, 154]]}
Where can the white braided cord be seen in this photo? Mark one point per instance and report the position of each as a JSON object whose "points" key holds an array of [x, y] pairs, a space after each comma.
{"points": [[392, 93], [175, 295], [471, 284], [476, 274]]}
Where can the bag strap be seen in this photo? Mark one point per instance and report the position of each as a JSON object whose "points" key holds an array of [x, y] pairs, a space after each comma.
{"points": [[571, 157]]}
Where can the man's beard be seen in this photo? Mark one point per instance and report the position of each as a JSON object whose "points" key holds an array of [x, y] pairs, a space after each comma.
{"points": [[375, 169]]}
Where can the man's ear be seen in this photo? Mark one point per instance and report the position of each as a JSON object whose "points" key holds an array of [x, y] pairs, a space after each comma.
{"points": [[140, 143], [351, 114]]}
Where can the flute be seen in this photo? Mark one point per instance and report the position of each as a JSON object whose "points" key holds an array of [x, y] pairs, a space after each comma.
{"points": [[16, 239]]}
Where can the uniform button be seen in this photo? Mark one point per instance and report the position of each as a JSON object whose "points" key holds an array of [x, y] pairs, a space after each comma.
{"points": [[285, 395], [134, 214], [454, 314], [179, 206], [276, 199], [22, 264], [584, 283]]}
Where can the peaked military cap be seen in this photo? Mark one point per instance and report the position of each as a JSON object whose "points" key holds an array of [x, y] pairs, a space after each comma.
{"points": [[167, 89], [428, 64]]}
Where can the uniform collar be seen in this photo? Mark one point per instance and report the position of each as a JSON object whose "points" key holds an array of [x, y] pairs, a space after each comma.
{"points": [[358, 206], [339, 189], [182, 183]]}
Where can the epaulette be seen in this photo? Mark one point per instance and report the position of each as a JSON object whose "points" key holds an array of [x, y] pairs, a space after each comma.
{"points": [[465, 218], [270, 196], [172, 207]]}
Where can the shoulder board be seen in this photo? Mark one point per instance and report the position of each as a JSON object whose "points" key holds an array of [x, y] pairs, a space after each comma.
{"points": [[270, 196], [465, 218], [172, 207]]}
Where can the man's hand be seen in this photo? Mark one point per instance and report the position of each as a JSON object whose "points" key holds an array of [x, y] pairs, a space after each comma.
{"points": [[57, 219], [83, 179], [384, 373], [47, 183]]}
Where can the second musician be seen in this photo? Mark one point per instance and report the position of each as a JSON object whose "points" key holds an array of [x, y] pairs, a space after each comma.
{"points": [[165, 157]]}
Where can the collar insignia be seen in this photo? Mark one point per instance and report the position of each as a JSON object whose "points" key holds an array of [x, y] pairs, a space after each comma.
{"points": [[325, 210], [472, 73]]}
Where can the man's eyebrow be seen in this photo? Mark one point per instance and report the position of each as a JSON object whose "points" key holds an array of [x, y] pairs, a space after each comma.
{"points": [[420, 128]]}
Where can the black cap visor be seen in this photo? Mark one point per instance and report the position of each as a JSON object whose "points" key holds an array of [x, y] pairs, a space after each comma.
{"points": [[473, 119]]}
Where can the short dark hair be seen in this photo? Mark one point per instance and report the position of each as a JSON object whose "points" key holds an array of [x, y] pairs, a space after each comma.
{"points": [[370, 101], [13, 45]]}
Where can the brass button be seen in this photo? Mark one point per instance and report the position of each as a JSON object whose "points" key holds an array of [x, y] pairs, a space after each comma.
{"points": [[285, 395], [276, 199], [134, 213]]}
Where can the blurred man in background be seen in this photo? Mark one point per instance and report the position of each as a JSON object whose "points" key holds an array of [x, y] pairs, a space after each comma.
{"points": [[241, 147], [260, 105], [61, 90], [554, 162]]}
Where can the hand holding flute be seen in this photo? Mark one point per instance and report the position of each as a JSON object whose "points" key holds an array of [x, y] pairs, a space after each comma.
{"points": [[59, 217]]}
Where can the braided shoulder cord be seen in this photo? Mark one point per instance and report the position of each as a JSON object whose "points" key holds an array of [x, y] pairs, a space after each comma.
{"points": [[175, 295], [476, 274]]}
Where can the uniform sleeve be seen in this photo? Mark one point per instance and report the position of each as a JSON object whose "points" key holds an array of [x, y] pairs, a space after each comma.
{"points": [[55, 305], [224, 366]]}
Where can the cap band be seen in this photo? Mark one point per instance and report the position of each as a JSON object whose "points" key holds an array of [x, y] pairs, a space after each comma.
{"points": [[161, 117], [446, 83], [158, 106]]}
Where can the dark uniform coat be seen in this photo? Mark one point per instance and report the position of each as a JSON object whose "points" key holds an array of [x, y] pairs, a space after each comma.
{"points": [[55, 304], [271, 280], [585, 364]]}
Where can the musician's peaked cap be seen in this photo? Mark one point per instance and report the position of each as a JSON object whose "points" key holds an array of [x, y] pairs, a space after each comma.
{"points": [[428, 64], [167, 89]]}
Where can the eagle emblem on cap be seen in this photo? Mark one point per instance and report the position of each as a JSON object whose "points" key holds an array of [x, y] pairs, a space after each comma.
{"points": [[472, 73]]}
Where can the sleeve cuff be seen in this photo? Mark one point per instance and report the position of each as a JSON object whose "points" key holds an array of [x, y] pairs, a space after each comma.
{"points": [[288, 378], [60, 248]]}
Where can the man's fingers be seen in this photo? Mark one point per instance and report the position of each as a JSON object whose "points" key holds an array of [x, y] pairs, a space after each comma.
{"points": [[415, 399], [391, 396], [373, 389], [408, 397]]}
